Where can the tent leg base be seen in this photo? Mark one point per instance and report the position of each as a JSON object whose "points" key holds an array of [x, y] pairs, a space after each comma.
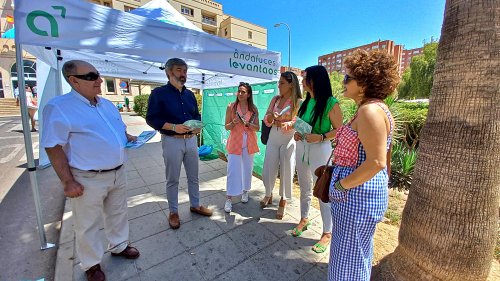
{"points": [[47, 246]]}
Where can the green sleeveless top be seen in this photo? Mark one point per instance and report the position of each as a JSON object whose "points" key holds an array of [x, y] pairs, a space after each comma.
{"points": [[326, 125]]}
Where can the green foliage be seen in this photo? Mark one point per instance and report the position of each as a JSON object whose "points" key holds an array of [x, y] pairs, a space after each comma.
{"points": [[402, 164], [410, 118], [336, 80], [417, 79], [141, 105], [199, 101]]}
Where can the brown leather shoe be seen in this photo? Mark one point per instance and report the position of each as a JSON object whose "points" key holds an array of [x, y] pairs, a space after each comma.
{"points": [[129, 253], [204, 211], [95, 273], [173, 220]]}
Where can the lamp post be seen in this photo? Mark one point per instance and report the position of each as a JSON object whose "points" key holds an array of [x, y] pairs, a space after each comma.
{"points": [[289, 41]]}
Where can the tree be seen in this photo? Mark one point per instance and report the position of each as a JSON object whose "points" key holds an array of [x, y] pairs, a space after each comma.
{"points": [[336, 79], [417, 79], [450, 221]]}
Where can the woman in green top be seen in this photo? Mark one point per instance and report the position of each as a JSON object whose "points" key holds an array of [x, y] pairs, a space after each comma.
{"points": [[320, 110]]}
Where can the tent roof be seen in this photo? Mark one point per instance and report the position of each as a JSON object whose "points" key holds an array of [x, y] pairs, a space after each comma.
{"points": [[125, 45]]}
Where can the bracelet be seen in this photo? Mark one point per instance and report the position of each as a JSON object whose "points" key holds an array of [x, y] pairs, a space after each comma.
{"points": [[339, 186], [173, 127], [323, 137]]}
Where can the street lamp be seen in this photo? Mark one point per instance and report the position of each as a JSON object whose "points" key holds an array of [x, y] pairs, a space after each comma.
{"points": [[289, 41]]}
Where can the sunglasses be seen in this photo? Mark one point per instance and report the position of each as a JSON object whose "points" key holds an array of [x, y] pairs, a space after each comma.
{"points": [[244, 84], [348, 78], [91, 76]]}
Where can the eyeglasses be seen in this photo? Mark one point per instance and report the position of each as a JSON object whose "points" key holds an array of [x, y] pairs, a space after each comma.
{"points": [[91, 76], [244, 84], [348, 78]]}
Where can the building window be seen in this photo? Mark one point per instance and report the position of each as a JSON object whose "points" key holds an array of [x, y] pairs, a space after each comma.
{"points": [[110, 85], [107, 4], [383, 46], [187, 11], [375, 47], [249, 35], [128, 8], [225, 31]]}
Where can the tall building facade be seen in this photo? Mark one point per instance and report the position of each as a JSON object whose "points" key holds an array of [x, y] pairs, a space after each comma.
{"points": [[335, 61], [207, 15], [407, 55]]}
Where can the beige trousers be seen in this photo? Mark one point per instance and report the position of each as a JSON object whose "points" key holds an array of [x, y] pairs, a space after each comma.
{"points": [[104, 199]]}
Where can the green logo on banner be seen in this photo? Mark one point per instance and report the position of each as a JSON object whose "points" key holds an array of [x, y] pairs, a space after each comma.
{"points": [[54, 28]]}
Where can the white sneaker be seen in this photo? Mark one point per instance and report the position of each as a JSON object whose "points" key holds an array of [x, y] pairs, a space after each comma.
{"points": [[244, 197], [228, 206]]}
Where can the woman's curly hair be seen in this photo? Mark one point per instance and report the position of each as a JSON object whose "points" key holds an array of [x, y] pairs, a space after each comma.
{"points": [[376, 71]]}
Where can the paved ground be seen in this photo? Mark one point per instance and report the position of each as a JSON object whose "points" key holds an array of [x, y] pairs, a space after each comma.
{"points": [[21, 257], [248, 244]]}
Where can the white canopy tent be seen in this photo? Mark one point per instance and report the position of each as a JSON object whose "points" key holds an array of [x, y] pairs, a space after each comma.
{"points": [[124, 45]]}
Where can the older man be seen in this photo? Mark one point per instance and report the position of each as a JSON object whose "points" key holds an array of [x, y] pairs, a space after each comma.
{"points": [[85, 140], [169, 106]]}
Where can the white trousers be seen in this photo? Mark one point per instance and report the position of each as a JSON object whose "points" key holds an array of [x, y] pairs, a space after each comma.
{"points": [[309, 157], [239, 171], [280, 154], [104, 197]]}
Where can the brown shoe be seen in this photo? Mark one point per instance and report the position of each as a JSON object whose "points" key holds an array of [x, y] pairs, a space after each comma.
{"points": [[204, 211], [95, 273], [129, 253], [173, 220]]}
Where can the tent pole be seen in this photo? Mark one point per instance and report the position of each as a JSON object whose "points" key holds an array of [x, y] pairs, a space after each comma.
{"points": [[58, 74], [201, 92], [28, 143]]}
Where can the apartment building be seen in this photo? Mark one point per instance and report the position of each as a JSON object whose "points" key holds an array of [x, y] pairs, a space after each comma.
{"points": [[407, 55], [207, 15], [335, 60]]}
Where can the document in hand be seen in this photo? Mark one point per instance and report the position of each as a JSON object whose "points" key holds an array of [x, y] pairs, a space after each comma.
{"points": [[302, 127], [143, 138]]}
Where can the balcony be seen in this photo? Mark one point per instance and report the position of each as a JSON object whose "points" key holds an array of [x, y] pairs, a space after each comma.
{"points": [[209, 21]]}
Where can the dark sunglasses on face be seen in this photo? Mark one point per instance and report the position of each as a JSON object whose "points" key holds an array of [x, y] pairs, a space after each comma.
{"points": [[91, 76], [348, 78]]}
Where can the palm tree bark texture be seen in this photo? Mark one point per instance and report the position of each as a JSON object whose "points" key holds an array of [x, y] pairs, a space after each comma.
{"points": [[450, 221]]}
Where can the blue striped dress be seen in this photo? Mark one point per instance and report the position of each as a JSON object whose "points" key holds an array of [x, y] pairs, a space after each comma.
{"points": [[355, 214]]}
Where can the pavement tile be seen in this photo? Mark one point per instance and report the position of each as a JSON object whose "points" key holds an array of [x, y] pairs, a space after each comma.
{"points": [[303, 245], [181, 267], [323, 263], [280, 228], [137, 191], [251, 237], [158, 188], [133, 175], [314, 274], [135, 183], [148, 225], [141, 205], [228, 221], [193, 233], [217, 256], [279, 262], [244, 271], [158, 248]]}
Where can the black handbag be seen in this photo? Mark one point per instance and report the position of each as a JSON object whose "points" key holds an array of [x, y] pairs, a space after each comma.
{"points": [[265, 130], [264, 133]]}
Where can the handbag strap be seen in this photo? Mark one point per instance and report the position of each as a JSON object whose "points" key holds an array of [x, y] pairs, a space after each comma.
{"points": [[326, 165]]}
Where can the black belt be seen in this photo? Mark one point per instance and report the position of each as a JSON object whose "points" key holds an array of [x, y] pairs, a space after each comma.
{"points": [[108, 170]]}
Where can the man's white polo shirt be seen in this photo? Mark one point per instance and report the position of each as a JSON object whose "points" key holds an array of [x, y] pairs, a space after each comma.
{"points": [[93, 137]]}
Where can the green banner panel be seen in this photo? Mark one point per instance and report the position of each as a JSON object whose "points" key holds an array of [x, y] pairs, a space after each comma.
{"points": [[215, 102]]}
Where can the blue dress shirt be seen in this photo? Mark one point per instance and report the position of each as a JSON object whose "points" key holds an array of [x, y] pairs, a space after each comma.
{"points": [[168, 104]]}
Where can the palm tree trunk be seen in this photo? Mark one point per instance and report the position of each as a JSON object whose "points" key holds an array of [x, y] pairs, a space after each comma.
{"points": [[450, 221]]}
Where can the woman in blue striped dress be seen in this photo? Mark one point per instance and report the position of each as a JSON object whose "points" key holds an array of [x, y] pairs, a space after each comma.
{"points": [[359, 186]]}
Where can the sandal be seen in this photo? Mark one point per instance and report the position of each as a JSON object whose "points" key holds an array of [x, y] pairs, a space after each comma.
{"points": [[296, 232], [320, 248], [281, 209], [267, 200]]}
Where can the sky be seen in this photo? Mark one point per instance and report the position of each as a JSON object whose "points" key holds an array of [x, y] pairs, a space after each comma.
{"points": [[319, 27]]}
